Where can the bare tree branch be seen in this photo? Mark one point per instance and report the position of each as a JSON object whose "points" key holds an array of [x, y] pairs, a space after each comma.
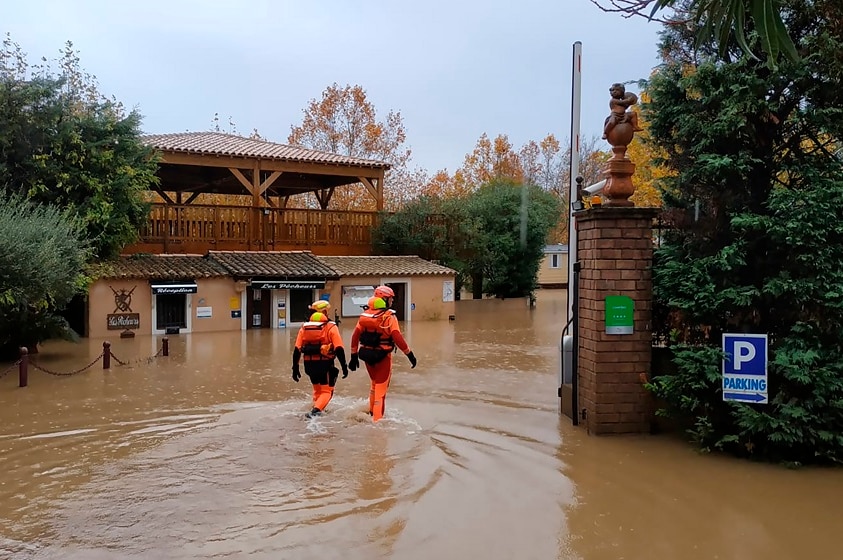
{"points": [[630, 8]]}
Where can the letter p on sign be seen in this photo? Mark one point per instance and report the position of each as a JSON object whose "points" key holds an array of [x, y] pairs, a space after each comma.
{"points": [[744, 353]]}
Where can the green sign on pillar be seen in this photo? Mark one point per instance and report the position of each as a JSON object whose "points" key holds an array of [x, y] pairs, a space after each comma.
{"points": [[619, 314]]}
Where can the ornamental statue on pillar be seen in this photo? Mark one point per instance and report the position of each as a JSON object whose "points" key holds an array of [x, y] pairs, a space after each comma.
{"points": [[618, 130]]}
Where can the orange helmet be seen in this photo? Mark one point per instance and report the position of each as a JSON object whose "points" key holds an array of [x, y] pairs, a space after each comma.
{"points": [[376, 303], [384, 292], [319, 318]]}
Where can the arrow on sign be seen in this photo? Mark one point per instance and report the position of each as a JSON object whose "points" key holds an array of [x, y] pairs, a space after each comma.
{"points": [[745, 397]]}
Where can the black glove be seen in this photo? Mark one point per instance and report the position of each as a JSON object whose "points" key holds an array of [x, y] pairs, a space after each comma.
{"points": [[354, 363], [296, 373], [344, 371], [412, 358]]}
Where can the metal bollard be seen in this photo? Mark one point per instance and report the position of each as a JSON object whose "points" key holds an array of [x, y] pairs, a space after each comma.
{"points": [[106, 355], [23, 367], [165, 346]]}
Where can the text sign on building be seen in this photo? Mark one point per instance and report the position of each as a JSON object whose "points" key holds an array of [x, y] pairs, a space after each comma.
{"points": [[619, 315], [122, 321], [288, 284], [745, 368], [159, 289]]}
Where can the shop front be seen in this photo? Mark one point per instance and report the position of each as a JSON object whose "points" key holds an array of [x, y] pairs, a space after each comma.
{"points": [[278, 303]]}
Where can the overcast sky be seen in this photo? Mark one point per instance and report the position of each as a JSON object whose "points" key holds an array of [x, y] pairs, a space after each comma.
{"points": [[453, 69]]}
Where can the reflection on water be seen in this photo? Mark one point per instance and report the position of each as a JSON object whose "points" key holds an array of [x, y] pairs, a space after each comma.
{"points": [[206, 454]]}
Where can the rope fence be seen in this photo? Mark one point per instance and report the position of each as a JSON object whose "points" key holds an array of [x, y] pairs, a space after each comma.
{"points": [[106, 356]]}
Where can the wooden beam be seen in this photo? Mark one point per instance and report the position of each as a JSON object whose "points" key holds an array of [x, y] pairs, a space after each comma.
{"points": [[256, 184], [242, 178], [177, 158], [323, 196], [192, 197], [269, 181], [163, 194], [372, 189], [380, 190]]}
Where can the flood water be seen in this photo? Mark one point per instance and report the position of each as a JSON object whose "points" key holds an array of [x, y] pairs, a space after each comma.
{"points": [[206, 454]]}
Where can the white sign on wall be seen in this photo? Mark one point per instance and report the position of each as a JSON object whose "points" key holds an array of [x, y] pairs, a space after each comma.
{"points": [[448, 291], [204, 312], [354, 298]]}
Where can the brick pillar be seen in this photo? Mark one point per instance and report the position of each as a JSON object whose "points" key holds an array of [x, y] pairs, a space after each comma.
{"points": [[615, 250]]}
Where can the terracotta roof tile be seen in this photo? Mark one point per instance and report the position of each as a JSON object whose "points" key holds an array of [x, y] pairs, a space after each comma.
{"points": [[161, 267], [407, 265], [218, 143], [276, 264]]}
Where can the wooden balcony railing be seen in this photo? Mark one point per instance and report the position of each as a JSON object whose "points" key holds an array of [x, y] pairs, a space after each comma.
{"points": [[197, 229]]}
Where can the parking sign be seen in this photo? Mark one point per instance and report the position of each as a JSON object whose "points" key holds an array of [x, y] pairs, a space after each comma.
{"points": [[745, 368]]}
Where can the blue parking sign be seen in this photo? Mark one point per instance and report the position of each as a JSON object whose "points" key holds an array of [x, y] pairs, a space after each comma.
{"points": [[745, 367]]}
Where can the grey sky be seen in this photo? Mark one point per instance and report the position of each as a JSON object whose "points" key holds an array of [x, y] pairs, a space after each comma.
{"points": [[453, 69]]}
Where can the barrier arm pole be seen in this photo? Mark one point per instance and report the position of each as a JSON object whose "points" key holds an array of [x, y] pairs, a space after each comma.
{"points": [[573, 195]]}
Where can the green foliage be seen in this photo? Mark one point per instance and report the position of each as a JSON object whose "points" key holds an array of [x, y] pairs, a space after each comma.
{"points": [[480, 236], [724, 23], [755, 149], [432, 228], [509, 256], [42, 255], [62, 143]]}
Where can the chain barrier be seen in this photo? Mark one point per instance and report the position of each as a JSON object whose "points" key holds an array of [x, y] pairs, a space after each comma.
{"points": [[102, 356], [136, 361], [9, 369], [60, 374]]}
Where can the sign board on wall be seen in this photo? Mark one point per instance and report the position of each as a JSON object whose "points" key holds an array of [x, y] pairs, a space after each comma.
{"points": [[122, 318], [287, 284], [204, 312], [122, 321], [619, 314], [282, 313], [185, 288], [447, 291], [354, 298]]}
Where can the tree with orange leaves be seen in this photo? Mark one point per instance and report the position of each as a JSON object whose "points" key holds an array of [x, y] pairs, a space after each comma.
{"points": [[648, 172], [344, 122]]}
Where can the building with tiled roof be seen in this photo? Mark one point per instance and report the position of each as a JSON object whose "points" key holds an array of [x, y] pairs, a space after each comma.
{"points": [[240, 290]]}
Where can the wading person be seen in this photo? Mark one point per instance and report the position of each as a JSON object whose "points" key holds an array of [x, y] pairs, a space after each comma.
{"points": [[319, 341], [375, 337]]}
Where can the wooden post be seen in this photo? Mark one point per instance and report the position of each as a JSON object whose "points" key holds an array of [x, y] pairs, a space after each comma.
{"points": [[165, 348], [106, 355], [23, 367]]}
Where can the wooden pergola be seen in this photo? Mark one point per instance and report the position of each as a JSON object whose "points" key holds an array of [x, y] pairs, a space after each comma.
{"points": [[195, 163]]}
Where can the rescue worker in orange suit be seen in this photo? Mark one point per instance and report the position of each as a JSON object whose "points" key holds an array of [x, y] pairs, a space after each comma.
{"points": [[319, 341], [375, 337]]}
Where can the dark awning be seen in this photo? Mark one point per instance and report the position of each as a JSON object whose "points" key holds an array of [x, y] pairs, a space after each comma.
{"points": [[277, 284], [173, 287]]}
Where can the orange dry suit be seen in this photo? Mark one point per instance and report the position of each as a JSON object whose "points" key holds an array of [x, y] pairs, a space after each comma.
{"points": [[374, 339], [320, 343]]}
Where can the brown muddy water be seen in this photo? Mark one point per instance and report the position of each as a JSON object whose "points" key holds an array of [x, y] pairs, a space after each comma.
{"points": [[206, 454]]}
